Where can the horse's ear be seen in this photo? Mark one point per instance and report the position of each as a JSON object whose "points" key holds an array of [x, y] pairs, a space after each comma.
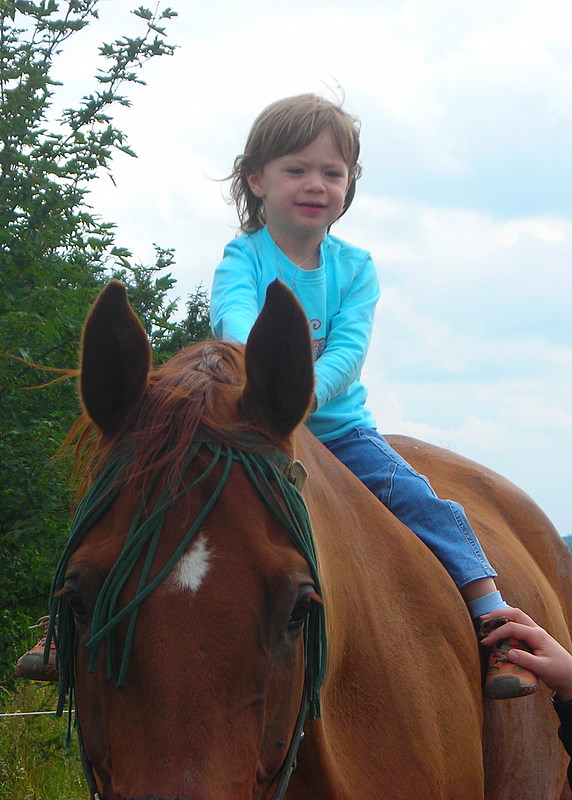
{"points": [[279, 364], [116, 358]]}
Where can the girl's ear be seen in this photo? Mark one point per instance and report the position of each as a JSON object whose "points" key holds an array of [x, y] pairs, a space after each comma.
{"points": [[255, 183]]}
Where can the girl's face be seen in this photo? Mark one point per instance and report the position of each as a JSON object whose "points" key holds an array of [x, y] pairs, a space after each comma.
{"points": [[303, 192]]}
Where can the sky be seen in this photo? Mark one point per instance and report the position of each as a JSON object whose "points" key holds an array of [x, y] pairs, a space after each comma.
{"points": [[465, 201]]}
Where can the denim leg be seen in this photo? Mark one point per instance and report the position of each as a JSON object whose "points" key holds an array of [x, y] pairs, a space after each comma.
{"points": [[441, 524]]}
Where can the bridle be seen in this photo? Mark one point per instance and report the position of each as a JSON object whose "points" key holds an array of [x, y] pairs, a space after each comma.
{"points": [[279, 480], [289, 764]]}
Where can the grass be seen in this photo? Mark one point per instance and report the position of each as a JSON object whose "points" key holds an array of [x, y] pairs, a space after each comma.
{"points": [[35, 763]]}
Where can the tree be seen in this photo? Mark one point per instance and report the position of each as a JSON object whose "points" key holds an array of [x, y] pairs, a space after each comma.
{"points": [[55, 255]]}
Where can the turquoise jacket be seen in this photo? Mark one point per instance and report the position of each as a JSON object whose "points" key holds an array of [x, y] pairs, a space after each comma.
{"points": [[339, 298]]}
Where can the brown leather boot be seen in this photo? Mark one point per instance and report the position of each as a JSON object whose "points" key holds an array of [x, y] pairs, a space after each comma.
{"points": [[31, 664], [504, 679]]}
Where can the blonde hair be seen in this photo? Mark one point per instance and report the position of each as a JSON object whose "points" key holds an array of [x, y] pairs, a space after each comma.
{"points": [[287, 126]]}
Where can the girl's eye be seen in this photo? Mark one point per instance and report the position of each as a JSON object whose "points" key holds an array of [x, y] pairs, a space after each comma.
{"points": [[295, 170]]}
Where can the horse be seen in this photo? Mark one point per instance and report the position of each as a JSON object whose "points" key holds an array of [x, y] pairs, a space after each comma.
{"points": [[239, 618]]}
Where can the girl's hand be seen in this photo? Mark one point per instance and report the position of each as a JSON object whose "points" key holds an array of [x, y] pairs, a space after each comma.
{"points": [[549, 660]]}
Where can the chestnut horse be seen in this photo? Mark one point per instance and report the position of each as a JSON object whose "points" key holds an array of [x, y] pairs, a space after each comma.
{"points": [[192, 594]]}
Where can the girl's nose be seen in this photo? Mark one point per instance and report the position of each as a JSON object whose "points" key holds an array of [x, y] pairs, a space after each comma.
{"points": [[314, 182]]}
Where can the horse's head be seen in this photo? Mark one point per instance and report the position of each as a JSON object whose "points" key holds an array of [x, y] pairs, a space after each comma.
{"points": [[189, 577]]}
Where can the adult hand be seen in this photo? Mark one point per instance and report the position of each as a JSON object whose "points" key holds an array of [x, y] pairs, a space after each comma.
{"points": [[549, 660]]}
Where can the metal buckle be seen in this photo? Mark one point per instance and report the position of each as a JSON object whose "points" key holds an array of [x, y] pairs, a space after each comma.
{"points": [[297, 474]]}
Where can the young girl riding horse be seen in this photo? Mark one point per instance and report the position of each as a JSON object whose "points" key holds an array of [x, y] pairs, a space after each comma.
{"points": [[296, 177]]}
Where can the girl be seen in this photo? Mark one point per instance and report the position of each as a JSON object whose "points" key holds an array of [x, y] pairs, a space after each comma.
{"points": [[296, 177]]}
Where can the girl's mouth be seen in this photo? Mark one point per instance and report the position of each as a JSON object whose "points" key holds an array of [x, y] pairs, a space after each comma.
{"points": [[311, 206]]}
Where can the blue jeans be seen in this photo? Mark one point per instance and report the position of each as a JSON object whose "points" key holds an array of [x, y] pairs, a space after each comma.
{"points": [[441, 524]]}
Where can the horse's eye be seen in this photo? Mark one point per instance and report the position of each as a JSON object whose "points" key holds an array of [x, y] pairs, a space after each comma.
{"points": [[77, 607], [300, 612]]}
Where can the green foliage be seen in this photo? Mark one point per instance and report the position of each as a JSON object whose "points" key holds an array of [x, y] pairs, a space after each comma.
{"points": [[193, 328], [149, 298], [34, 761], [55, 256], [568, 540]]}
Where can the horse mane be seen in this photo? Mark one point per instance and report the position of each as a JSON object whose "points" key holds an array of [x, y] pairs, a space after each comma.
{"points": [[196, 387]]}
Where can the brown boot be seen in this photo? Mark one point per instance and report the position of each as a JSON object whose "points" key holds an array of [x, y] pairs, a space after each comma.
{"points": [[504, 679], [31, 664]]}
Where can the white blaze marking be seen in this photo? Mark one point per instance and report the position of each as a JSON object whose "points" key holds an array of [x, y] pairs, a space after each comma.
{"points": [[193, 566]]}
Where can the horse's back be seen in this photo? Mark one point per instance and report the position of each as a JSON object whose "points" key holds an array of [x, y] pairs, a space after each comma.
{"points": [[401, 709], [523, 757], [402, 703], [533, 562]]}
